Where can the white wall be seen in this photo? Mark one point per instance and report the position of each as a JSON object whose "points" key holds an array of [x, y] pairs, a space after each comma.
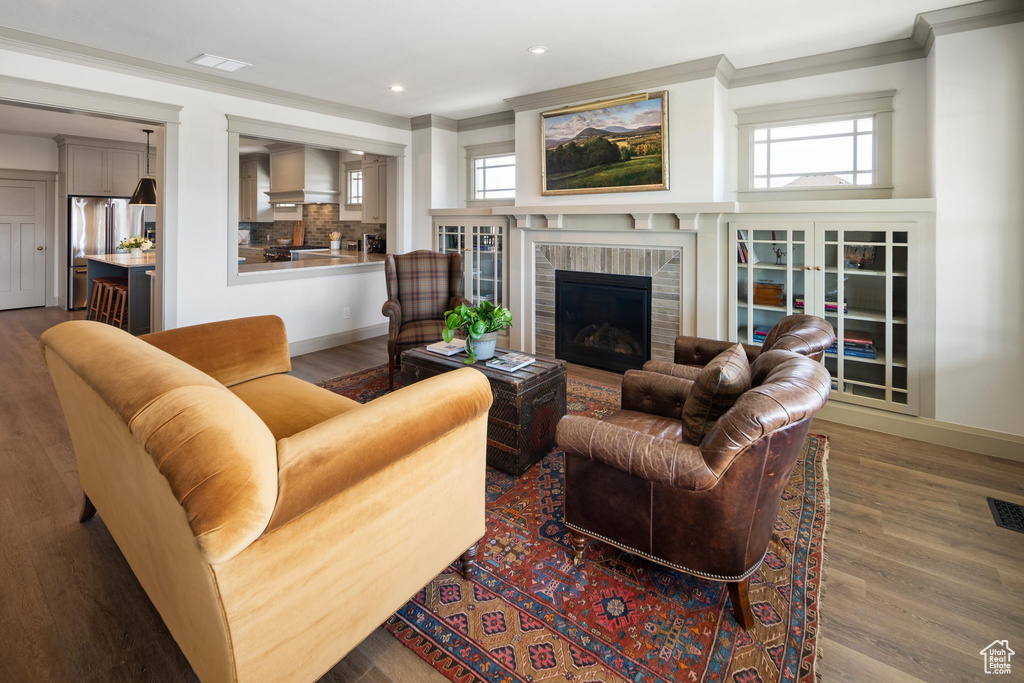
{"points": [[421, 153], [27, 152], [310, 307], [910, 155], [978, 151], [691, 144], [479, 136], [444, 154]]}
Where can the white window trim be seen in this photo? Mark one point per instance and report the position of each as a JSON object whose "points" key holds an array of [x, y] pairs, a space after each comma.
{"points": [[876, 104], [349, 167], [474, 152]]}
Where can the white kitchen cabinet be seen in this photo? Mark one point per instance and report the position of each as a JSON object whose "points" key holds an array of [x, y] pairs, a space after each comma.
{"points": [[375, 190], [103, 168], [254, 183], [87, 170], [860, 277], [124, 168]]}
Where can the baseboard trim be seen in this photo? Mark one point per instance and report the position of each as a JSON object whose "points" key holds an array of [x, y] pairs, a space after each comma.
{"points": [[985, 441], [329, 341]]}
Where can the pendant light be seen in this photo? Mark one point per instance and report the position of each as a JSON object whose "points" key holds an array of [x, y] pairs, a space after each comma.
{"points": [[145, 191]]}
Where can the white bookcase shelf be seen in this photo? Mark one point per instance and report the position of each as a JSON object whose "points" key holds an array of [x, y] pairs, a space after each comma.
{"points": [[865, 271]]}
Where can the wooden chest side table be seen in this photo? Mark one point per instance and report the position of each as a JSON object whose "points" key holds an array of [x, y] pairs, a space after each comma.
{"points": [[528, 404]]}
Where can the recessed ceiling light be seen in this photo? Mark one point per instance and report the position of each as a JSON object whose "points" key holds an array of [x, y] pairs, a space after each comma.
{"points": [[219, 63], [357, 152], [396, 88], [537, 50]]}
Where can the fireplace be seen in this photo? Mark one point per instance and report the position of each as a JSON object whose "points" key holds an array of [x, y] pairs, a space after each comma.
{"points": [[603, 320]]}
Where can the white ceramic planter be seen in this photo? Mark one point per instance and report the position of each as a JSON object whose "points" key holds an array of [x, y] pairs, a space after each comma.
{"points": [[484, 346], [136, 253]]}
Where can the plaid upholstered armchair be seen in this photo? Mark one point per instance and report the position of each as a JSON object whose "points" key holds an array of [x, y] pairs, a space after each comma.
{"points": [[422, 285]]}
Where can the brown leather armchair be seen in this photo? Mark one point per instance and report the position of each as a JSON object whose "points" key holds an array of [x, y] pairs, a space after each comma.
{"points": [[807, 335], [422, 285], [632, 480]]}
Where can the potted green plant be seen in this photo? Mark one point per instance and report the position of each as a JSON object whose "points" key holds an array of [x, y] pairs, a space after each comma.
{"points": [[480, 325]]}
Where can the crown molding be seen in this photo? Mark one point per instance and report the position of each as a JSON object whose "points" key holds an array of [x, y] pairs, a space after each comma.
{"points": [[696, 69], [969, 17], [433, 121], [828, 62], [31, 43], [500, 118]]}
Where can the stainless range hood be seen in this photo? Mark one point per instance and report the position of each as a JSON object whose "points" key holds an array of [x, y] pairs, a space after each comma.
{"points": [[303, 175]]}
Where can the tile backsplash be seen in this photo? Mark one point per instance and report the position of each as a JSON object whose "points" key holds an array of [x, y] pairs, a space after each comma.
{"points": [[320, 221]]}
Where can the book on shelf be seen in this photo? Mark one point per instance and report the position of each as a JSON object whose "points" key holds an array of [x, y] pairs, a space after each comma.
{"points": [[749, 256], [830, 306], [511, 362], [448, 348]]}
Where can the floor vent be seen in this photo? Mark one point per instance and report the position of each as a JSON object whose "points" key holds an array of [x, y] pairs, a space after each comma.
{"points": [[1007, 515]]}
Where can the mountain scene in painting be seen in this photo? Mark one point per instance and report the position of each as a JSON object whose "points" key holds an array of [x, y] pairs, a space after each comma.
{"points": [[611, 147]]}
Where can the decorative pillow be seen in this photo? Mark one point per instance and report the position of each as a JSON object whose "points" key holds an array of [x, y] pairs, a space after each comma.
{"points": [[715, 390]]}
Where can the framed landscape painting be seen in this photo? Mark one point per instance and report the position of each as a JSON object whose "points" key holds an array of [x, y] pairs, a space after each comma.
{"points": [[617, 145]]}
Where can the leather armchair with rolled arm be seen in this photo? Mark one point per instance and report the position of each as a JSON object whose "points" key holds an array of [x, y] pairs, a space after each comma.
{"points": [[273, 524], [633, 481], [422, 285], [807, 335]]}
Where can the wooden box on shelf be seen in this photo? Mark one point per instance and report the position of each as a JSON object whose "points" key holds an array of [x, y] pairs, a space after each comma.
{"points": [[769, 294]]}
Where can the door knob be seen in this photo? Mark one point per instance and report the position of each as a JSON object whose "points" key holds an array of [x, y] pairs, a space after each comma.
{"points": [[39, 248]]}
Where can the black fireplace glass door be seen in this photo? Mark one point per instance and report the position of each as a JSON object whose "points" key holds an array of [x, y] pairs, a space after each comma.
{"points": [[603, 321]]}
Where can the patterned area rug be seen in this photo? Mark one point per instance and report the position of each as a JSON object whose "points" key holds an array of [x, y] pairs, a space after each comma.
{"points": [[529, 615]]}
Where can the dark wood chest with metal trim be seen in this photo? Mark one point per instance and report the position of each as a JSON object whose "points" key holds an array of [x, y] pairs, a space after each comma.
{"points": [[528, 404]]}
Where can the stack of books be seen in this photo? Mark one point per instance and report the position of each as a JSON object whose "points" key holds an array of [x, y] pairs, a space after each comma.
{"points": [[760, 333], [856, 344], [830, 306]]}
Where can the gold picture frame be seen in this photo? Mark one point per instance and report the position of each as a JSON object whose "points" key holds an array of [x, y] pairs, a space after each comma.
{"points": [[625, 122]]}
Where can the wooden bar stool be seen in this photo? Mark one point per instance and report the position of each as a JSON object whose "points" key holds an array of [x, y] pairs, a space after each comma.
{"points": [[119, 313], [110, 285], [99, 286]]}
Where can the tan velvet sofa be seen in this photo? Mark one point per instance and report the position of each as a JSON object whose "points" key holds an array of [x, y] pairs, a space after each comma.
{"points": [[274, 524]]}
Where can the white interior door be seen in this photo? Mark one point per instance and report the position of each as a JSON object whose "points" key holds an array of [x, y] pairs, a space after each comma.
{"points": [[22, 243]]}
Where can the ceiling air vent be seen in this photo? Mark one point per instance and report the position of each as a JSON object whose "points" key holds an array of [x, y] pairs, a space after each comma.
{"points": [[219, 63]]}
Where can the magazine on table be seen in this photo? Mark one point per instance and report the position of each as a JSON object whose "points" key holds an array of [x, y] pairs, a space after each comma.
{"points": [[511, 362], [448, 348]]}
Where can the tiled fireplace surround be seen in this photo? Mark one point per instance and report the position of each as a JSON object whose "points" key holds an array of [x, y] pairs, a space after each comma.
{"points": [[662, 265]]}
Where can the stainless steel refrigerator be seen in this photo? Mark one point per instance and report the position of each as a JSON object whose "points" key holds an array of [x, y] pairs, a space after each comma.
{"points": [[96, 225]]}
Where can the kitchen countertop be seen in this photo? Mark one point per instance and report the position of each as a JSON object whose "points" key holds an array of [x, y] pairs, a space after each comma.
{"points": [[321, 259], [124, 260]]}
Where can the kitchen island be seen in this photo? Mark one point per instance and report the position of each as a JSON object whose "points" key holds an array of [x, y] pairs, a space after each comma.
{"points": [[135, 269]]}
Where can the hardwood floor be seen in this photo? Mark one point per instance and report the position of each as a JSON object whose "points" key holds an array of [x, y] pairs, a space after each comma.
{"points": [[918, 579]]}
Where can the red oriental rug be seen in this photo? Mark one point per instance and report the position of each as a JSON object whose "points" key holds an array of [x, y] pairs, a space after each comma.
{"points": [[529, 615]]}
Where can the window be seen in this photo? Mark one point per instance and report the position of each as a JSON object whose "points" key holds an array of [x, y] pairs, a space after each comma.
{"points": [[815, 154], [355, 187], [495, 177], [827, 148], [491, 173]]}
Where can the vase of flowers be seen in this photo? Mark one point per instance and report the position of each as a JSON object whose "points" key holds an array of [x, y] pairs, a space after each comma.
{"points": [[479, 325], [136, 245]]}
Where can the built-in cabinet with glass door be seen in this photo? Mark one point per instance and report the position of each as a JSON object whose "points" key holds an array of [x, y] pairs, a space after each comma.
{"points": [[858, 276], [481, 241]]}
